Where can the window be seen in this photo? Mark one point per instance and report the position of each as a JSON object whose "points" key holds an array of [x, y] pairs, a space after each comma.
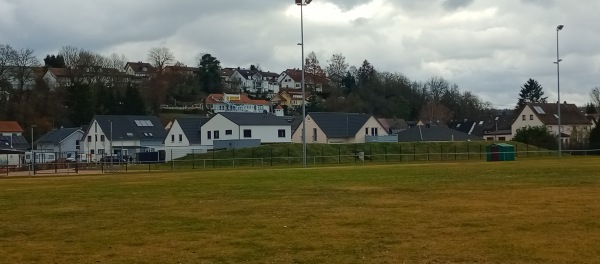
{"points": [[89, 138], [524, 118], [281, 133], [92, 151], [530, 117], [180, 137], [366, 131], [228, 132], [247, 133], [76, 142], [374, 131], [172, 138], [208, 134], [216, 134], [314, 134], [95, 138], [489, 139], [502, 138], [101, 137]]}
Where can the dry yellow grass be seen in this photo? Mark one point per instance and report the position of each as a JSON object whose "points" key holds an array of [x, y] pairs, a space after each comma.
{"points": [[544, 211]]}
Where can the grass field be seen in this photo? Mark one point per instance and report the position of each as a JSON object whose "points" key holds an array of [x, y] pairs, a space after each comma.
{"points": [[528, 211]]}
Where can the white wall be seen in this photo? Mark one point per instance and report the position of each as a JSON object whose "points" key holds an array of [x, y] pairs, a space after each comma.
{"points": [[176, 131], [221, 124], [267, 134]]}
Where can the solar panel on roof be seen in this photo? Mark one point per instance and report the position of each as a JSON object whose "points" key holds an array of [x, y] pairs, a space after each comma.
{"points": [[539, 110]]}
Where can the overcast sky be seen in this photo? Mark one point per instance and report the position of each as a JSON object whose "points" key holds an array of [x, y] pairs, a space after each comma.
{"points": [[488, 47]]}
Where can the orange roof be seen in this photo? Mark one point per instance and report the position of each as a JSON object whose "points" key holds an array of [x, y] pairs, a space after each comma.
{"points": [[244, 99], [10, 126]]}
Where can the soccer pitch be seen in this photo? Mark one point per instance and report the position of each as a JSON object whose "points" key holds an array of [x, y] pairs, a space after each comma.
{"points": [[527, 211]]}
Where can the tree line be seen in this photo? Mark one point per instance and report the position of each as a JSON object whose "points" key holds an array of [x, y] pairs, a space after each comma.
{"points": [[94, 89]]}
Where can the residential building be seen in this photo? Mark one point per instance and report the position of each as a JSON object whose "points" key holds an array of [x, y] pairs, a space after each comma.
{"points": [[224, 102], [433, 133], [139, 69], [266, 127], [338, 128], [489, 127], [122, 135], [253, 81], [64, 141], [11, 136], [292, 79], [575, 126], [292, 98], [183, 137]]}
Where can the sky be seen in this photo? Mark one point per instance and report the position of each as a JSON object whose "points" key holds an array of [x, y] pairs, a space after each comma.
{"points": [[490, 48]]}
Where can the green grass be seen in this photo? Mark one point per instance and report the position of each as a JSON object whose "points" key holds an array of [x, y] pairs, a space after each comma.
{"points": [[528, 211]]}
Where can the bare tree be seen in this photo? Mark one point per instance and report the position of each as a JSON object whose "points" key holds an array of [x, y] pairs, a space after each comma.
{"points": [[337, 65], [160, 57], [436, 112], [22, 62], [6, 53], [115, 61]]}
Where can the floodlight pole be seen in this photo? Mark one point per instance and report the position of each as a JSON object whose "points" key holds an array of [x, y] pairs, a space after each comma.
{"points": [[558, 60], [302, 3]]}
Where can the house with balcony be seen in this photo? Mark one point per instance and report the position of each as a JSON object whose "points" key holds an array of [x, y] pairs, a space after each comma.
{"points": [[254, 81], [338, 128], [292, 98], [575, 126], [122, 135], [224, 102]]}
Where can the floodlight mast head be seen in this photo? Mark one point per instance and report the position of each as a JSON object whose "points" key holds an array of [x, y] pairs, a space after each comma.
{"points": [[559, 27], [303, 2]]}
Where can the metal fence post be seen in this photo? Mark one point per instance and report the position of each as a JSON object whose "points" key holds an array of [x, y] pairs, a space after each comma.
{"points": [[193, 159], [172, 161]]}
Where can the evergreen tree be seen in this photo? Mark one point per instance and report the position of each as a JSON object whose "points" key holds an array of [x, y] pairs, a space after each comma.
{"points": [[595, 138], [531, 92], [78, 100], [134, 103], [210, 77]]}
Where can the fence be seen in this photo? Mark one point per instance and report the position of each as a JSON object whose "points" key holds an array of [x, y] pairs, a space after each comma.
{"points": [[288, 157]]}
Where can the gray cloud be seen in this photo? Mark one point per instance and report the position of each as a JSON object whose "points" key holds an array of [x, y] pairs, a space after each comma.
{"points": [[488, 47], [455, 4]]}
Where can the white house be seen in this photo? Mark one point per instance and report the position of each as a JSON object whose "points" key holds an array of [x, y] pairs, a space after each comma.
{"points": [[122, 135], [255, 81], [235, 126], [184, 137], [64, 141]]}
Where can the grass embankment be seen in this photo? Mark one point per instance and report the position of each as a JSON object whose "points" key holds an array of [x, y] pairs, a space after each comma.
{"points": [[528, 211], [324, 154]]}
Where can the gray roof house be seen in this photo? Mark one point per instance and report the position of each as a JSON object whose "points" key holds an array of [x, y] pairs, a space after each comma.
{"points": [[60, 140], [334, 127], [122, 135], [266, 127], [430, 133]]}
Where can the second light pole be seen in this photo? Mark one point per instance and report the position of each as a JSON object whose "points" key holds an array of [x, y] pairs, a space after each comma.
{"points": [[558, 60], [302, 3]]}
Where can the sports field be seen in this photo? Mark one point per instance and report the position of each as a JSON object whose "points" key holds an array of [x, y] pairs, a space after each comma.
{"points": [[527, 211]]}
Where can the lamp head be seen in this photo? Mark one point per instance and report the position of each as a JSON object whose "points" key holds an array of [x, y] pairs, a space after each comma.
{"points": [[559, 27]]}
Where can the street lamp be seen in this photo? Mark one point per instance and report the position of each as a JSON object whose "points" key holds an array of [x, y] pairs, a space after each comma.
{"points": [[302, 3], [111, 147], [558, 60]]}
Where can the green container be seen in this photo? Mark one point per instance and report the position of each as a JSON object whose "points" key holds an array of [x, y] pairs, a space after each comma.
{"points": [[500, 152]]}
